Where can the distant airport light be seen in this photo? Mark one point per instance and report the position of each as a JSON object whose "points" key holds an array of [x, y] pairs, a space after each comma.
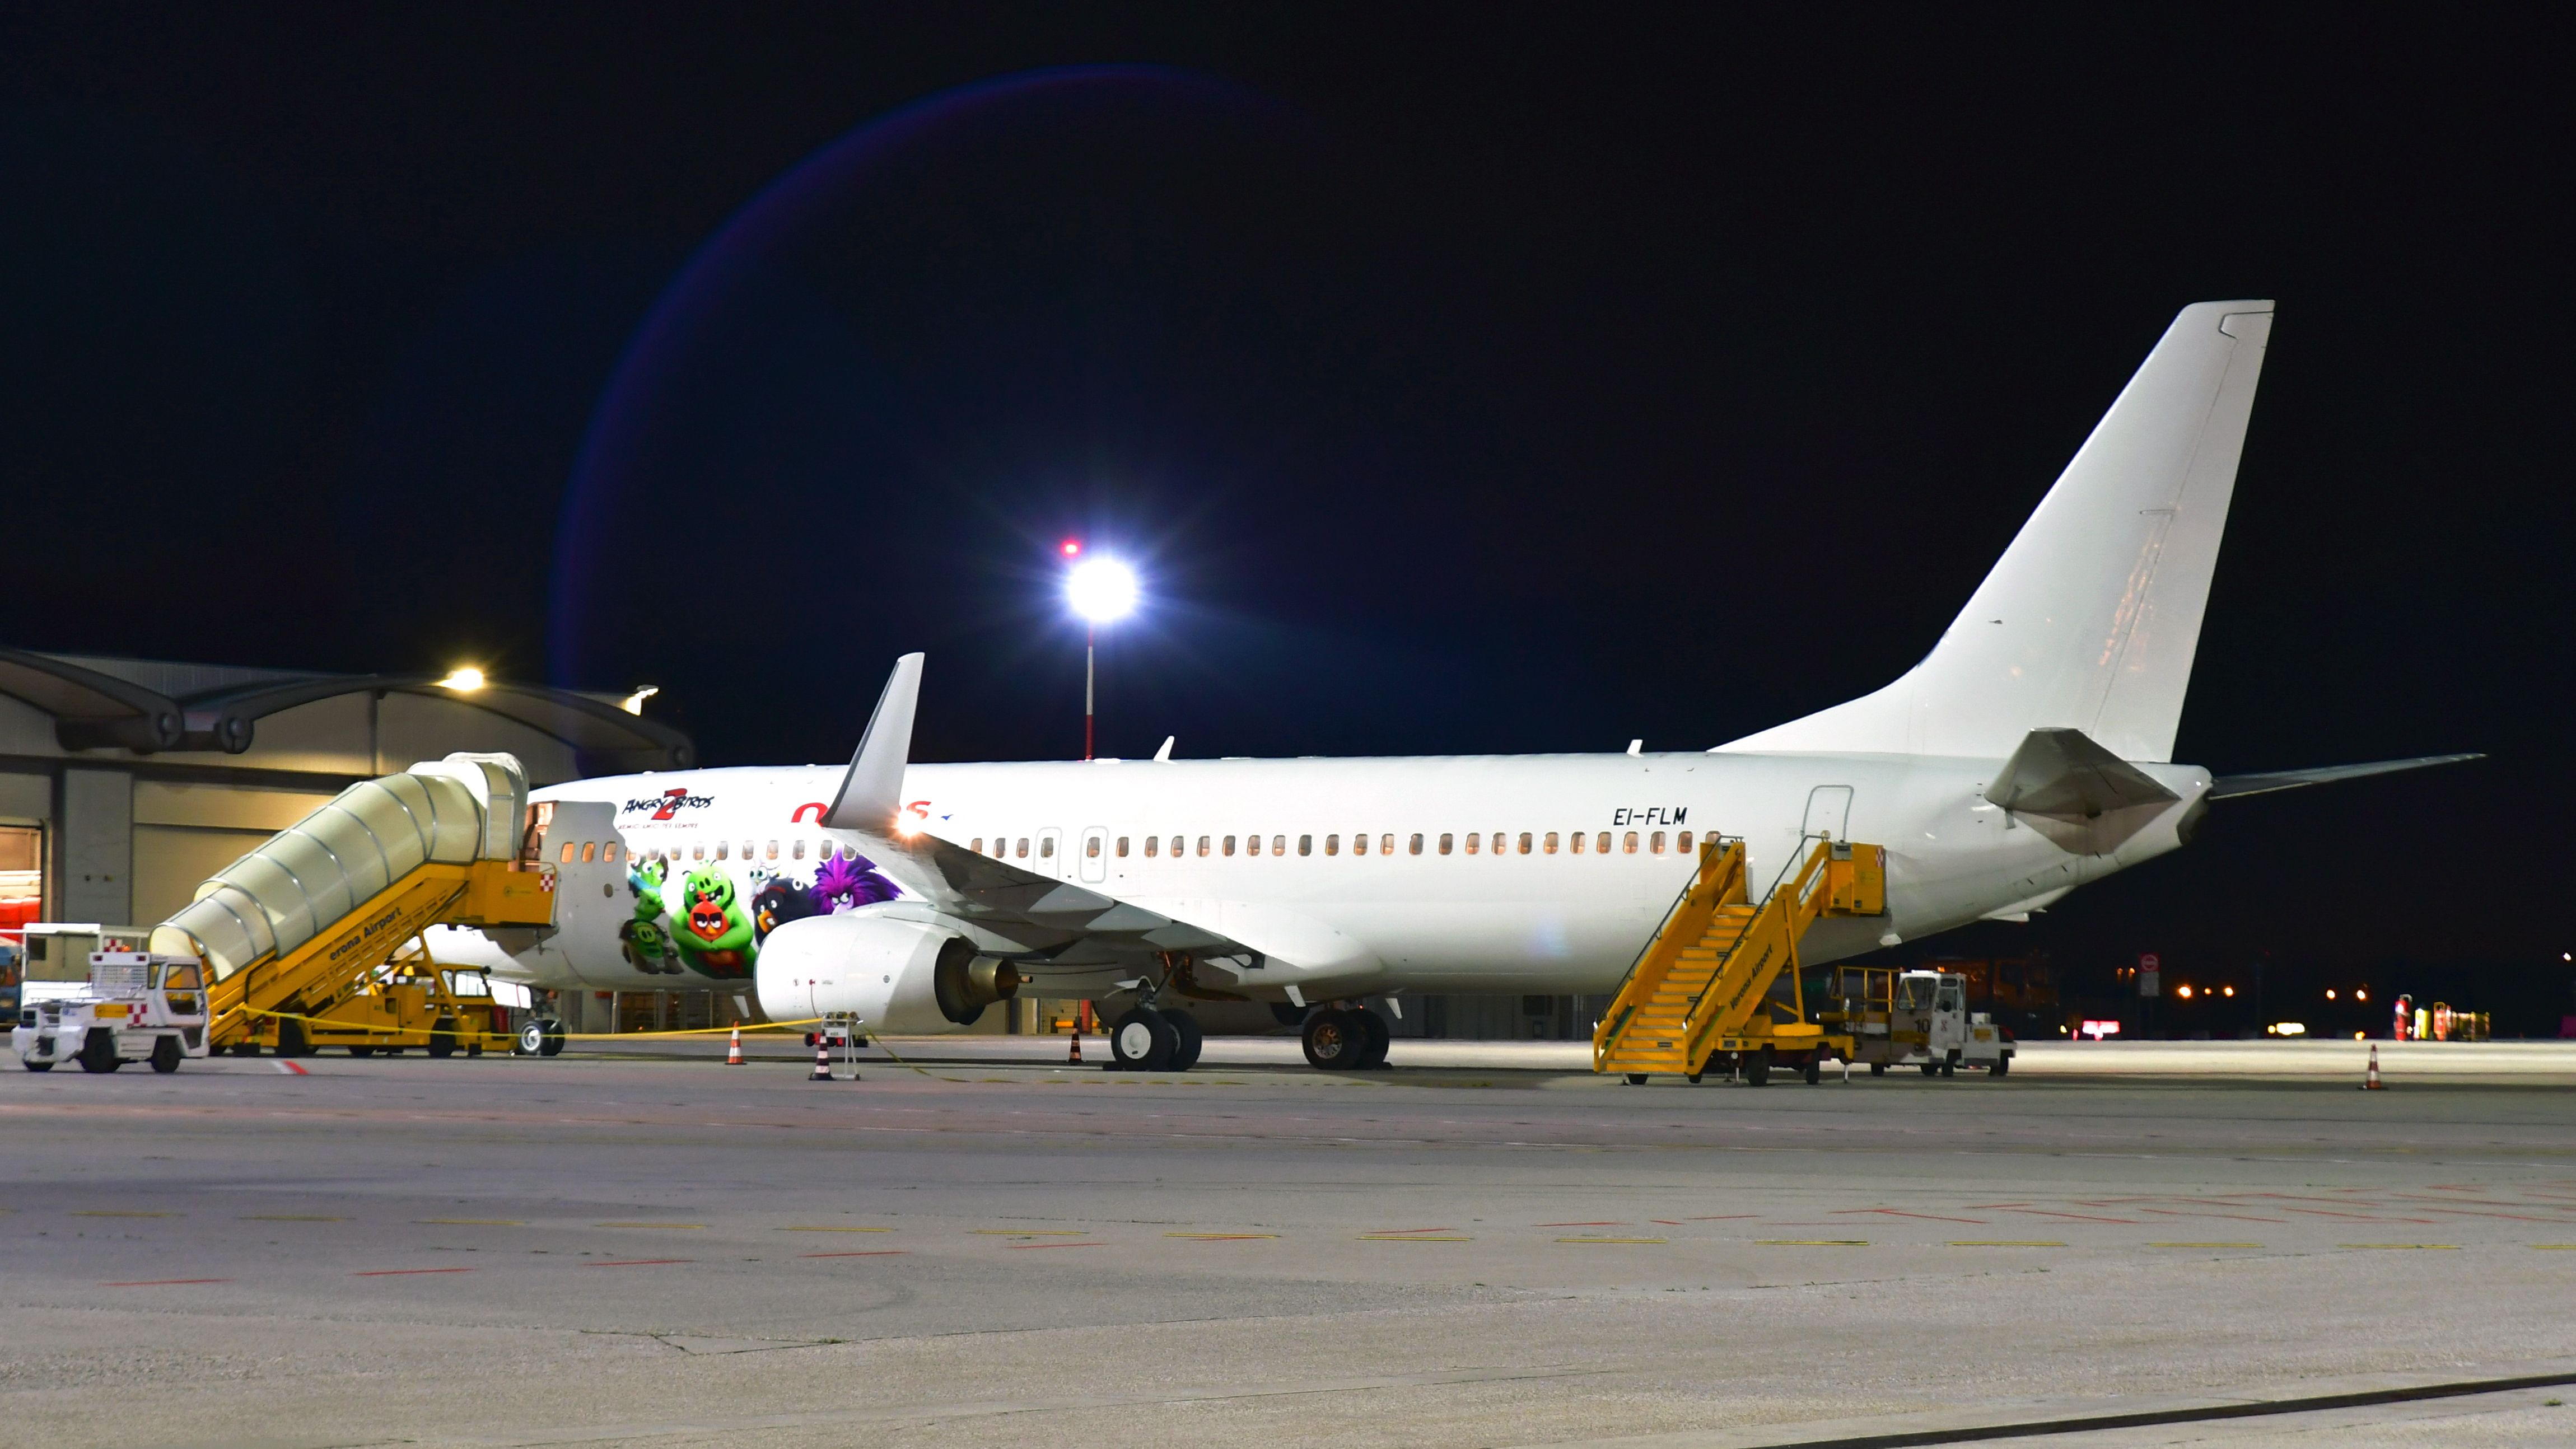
{"points": [[465, 679], [2360, 994], [1101, 590], [2098, 1029], [2329, 993], [635, 702], [2288, 1028], [2183, 991], [1072, 548], [2227, 991]]}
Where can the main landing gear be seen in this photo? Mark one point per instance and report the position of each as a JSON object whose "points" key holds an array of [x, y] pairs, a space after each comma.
{"points": [[1150, 1039], [1346, 1039]]}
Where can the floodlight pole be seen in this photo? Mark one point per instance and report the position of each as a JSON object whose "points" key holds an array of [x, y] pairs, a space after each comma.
{"points": [[1090, 656]]}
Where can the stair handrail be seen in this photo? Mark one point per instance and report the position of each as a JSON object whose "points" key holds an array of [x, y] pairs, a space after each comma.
{"points": [[1712, 845], [1807, 860]]}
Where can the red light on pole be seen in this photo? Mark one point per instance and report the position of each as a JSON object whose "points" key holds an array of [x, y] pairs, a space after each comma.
{"points": [[1072, 548]]}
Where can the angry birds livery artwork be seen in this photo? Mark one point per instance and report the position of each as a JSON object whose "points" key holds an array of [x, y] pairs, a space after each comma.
{"points": [[704, 925]]}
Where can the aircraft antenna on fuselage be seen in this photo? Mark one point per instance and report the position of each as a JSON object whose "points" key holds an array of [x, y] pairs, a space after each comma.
{"points": [[872, 792]]}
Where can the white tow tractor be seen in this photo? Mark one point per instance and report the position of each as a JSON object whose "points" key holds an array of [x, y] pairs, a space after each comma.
{"points": [[138, 1007], [1915, 1018]]}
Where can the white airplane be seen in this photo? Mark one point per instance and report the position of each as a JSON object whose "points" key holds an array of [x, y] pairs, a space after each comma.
{"points": [[2030, 752]]}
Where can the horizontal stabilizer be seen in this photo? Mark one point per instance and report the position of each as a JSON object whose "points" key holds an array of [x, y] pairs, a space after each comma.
{"points": [[872, 791], [2063, 772], [2227, 785]]}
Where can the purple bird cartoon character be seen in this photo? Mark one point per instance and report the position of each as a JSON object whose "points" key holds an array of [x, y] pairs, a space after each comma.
{"points": [[847, 882]]}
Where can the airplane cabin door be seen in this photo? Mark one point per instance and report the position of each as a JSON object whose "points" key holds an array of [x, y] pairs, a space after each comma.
{"points": [[1828, 812], [1051, 853], [1094, 859]]}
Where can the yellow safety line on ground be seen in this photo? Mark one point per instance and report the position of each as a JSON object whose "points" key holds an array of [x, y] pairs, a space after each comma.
{"points": [[290, 1218], [1027, 1233], [2204, 1245], [803, 1228], [114, 1213], [473, 1222], [1220, 1237], [1408, 1238], [346, 1025], [2556, 1247], [648, 1225], [1613, 1240], [1811, 1242], [2452, 1247], [2003, 1243]]}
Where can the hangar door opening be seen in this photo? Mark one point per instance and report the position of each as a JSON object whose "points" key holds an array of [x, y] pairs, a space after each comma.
{"points": [[22, 875]]}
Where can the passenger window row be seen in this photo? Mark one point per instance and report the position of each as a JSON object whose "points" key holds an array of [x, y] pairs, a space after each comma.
{"points": [[1503, 842]]}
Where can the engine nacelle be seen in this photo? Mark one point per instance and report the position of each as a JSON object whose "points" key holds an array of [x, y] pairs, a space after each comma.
{"points": [[900, 976]]}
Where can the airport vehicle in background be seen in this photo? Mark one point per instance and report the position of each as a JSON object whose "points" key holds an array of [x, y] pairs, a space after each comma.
{"points": [[12, 966], [56, 955], [135, 1007], [1917, 1018]]}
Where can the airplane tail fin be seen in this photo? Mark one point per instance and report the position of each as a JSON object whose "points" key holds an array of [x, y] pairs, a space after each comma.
{"points": [[2090, 619]]}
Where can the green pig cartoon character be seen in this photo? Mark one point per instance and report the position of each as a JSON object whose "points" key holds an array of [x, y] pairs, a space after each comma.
{"points": [[644, 940], [714, 932]]}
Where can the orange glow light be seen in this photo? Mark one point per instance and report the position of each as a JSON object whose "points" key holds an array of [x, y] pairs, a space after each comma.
{"points": [[2183, 991], [2227, 991], [1072, 547]]}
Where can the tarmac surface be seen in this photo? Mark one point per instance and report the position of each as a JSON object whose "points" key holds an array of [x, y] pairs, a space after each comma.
{"points": [[2143, 1244]]}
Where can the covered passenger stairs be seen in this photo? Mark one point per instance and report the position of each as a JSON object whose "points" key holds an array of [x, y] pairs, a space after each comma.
{"points": [[301, 936], [1720, 977]]}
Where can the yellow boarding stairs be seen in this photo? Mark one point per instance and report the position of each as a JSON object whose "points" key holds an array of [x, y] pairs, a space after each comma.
{"points": [[1721, 974], [301, 936]]}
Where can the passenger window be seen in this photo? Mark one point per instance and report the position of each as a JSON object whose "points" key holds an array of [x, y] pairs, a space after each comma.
{"points": [[1122, 847], [1359, 844], [1575, 840], [1471, 842], [698, 850], [1150, 842], [1444, 842], [1229, 845], [796, 850], [1502, 844], [1658, 842], [1203, 846], [567, 853], [1176, 846], [1629, 843], [1681, 842], [773, 851], [746, 850], [1305, 845], [1386, 845], [1279, 845], [722, 848], [976, 845], [1023, 848], [1603, 844], [1525, 842], [1046, 847], [1550, 843], [1091, 847], [1252, 846], [608, 852], [1332, 845], [1414, 846], [589, 851]]}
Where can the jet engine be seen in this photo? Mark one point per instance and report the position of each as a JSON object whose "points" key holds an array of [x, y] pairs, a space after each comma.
{"points": [[900, 976]]}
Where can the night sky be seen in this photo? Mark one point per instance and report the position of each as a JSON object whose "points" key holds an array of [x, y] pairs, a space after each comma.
{"points": [[1463, 380]]}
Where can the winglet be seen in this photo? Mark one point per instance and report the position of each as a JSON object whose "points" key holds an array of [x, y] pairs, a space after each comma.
{"points": [[873, 790], [1163, 756]]}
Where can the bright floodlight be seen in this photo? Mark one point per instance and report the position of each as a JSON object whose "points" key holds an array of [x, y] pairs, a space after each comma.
{"points": [[465, 679], [1101, 589]]}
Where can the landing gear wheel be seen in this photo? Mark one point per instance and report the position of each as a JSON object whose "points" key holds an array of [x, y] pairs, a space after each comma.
{"points": [[532, 1039], [1374, 1040], [442, 1037], [554, 1039], [98, 1052], [1334, 1042], [1815, 1069], [1142, 1041], [1187, 1038], [166, 1055], [1757, 1068]]}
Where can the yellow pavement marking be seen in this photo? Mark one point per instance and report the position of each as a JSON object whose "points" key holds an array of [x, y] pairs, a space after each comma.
{"points": [[2556, 1247], [1811, 1242], [474, 1222], [648, 1225], [113, 1213], [809, 1228], [1026, 1232], [2451, 1246], [2003, 1243], [2204, 1245], [1220, 1237], [1410, 1238], [291, 1218], [1612, 1240]]}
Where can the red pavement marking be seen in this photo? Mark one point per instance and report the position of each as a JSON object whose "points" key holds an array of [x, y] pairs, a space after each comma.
{"points": [[1666, 1222], [1413, 1230], [1725, 1217], [1901, 1213], [2237, 1217], [1557, 1225], [637, 1262], [2079, 1217], [290, 1067], [1024, 1247], [164, 1282], [2357, 1217], [863, 1253], [405, 1272]]}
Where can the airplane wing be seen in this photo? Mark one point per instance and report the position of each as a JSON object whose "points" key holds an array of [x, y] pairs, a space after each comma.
{"points": [[2228, 785], [1055, 922]]}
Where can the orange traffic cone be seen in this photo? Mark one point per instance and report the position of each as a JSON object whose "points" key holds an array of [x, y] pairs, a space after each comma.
{"points": [[1073, 1058], [2370, 1083], [733, 1049], [822, 1059]]}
